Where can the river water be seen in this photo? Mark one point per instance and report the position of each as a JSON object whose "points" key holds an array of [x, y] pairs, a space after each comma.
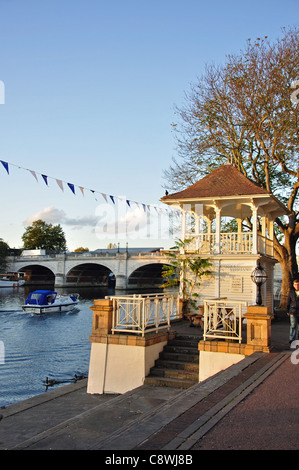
{"points": [[34, 347]]}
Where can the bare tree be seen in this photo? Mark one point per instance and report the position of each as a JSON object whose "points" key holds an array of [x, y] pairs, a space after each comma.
{"points": [[246, 112]]}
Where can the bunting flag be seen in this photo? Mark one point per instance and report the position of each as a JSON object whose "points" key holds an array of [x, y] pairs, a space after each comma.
{"points": [[107, 198], [72, 187], [60, 184], [5, 164], [93, 192], [45, 179], [34, 174]]}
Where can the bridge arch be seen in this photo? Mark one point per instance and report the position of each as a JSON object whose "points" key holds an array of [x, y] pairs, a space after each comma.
{"points": [[38, 274], [147, 275], [90, 274]]}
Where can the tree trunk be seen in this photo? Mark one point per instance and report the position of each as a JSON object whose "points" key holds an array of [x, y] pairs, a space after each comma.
{"points": [[286, 255]]}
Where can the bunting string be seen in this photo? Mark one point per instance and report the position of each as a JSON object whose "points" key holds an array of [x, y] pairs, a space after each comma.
{"points": [[107, 197]]}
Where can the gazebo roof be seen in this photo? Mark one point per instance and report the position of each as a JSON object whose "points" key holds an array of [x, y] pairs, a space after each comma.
{"points": [[226, 183]]}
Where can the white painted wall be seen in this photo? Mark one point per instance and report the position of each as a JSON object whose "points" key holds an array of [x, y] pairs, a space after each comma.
{"points": [[116, 368], [210, 363]]}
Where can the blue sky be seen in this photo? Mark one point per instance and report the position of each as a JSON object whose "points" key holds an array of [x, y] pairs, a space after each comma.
{"points": [[90, 94]]}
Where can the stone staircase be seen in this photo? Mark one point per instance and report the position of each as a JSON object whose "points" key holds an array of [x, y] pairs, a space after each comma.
{"points": [[178, 364]]}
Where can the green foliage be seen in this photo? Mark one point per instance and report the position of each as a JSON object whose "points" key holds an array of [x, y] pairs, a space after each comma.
{"points": [[4, 252], [185, 271], [44, 236], [242, 112], [81, 249]]}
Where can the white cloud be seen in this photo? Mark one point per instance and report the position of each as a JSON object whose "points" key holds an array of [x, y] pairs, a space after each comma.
{"points": [[52, 215], [110, 221]]}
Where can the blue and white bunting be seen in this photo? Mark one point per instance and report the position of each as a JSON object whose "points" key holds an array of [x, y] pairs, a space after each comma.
{"points": [[45, 178], [107, 198], [72, 187], [5, 164]]}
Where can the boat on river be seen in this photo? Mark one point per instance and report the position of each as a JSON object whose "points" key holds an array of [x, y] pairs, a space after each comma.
{"points": [[48, 301], [12, 279]]}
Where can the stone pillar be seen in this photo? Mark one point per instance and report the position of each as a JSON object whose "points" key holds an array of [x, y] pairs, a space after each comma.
{"points": [[59, 280], [259, 327], [102, 317], [121, 281]]}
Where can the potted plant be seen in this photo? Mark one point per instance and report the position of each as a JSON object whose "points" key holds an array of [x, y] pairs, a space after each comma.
{"points": [[185, 270]]}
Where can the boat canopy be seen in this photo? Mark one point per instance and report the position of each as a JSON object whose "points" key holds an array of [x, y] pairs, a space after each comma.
{"points": [[41, 297]]}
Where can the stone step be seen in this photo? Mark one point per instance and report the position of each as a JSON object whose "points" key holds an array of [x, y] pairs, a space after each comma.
{"points": [[193, 338], [169, 382], [184, 343], [174, 373], [178, 364], [188, 366], [180, 349], [175, 356]]}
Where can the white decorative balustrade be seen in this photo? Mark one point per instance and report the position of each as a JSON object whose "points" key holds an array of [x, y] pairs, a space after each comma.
{"points": [[229, 243], [140, 314], [223, 319]]}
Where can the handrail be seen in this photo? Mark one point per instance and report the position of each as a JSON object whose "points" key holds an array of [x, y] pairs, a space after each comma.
{"points": [[223, 319], [144, 313]]}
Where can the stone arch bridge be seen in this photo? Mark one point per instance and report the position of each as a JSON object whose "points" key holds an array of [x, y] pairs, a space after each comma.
{"points": [[124, 270]]}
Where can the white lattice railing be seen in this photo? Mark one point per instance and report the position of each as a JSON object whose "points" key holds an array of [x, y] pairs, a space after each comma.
{"points": [[144, 313], [223, 319]]}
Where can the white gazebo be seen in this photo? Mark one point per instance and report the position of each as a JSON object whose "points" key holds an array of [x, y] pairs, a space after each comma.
{"points": [[227, 194]]}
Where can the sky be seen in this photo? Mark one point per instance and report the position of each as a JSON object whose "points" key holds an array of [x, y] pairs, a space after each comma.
{"points": [[88, 91]]}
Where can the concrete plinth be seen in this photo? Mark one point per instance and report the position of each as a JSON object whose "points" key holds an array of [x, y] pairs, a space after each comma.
{"points": [[119, 362], [210, 363]]}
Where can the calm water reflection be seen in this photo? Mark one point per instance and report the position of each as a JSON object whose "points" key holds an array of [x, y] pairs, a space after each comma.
{"points": [[35, 347]]}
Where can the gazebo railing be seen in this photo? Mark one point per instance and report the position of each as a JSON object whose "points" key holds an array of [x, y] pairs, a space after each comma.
{"points": [[229, 243], [140, 314], [223, 319]]}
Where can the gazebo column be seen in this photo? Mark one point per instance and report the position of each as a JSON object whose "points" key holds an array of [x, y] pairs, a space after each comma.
{"points": [[183, 227], [218, 229], [254, 230], [271, 235], [197, 230]]}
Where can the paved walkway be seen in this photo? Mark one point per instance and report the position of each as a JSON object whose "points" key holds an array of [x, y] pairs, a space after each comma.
{"points": [[252, 405]]}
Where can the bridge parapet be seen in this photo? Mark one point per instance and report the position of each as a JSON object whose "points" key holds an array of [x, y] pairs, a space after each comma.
{"points": [[121, 264], [89, 255]]}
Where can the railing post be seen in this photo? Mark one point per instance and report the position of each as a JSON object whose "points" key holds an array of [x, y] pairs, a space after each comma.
{"points": [[259, 327], [102, 317]]}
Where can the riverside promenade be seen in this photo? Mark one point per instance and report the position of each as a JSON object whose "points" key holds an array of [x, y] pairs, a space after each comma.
{"points": [[253, 405]]}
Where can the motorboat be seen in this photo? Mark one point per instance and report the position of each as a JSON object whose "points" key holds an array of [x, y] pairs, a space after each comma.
{"points": [[48, 301], [12, 279]]}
